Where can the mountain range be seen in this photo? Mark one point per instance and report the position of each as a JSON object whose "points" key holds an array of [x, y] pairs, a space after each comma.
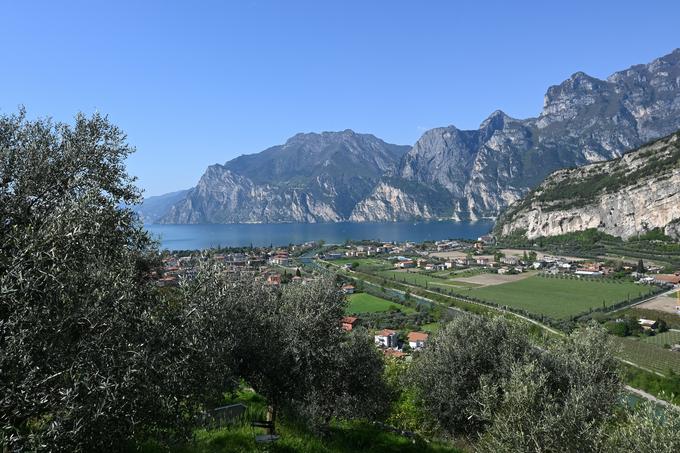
{"points": [[448, 173]]}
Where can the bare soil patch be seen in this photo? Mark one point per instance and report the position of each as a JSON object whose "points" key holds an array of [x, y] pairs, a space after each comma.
{"points": [[660, 303]]}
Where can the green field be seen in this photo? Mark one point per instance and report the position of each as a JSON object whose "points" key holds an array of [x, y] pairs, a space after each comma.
{"points": [[556, 297], [431, 327], [363, 262], [367, 303], [669, 337], [648, 355], [673, 295], [415, 277]]}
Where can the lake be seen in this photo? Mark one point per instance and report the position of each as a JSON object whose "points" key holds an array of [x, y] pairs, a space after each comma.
{"points": [[192, 237]]}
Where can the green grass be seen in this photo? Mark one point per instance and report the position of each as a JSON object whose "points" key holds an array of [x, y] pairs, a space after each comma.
{"points": [[555, 297], [649, 355], [343, 438], [363, 262], [415, 277], [431, 327], [368, 303], [669, 337], [673, 295]]}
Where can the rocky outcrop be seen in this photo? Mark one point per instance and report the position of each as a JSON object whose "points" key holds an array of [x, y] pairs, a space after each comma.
{"points": [[311, 178], [391, 204], [584, 120], [673, 229], [449, 173], [622, 197]]}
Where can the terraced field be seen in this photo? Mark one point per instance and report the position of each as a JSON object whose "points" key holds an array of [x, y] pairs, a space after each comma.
{"points": [[649, 355], [669, 337]]}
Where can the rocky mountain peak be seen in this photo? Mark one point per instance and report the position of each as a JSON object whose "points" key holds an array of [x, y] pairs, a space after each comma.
{"points": [[495, 121], [448, 173]]}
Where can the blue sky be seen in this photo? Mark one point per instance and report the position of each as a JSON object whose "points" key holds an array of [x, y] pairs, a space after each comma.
{"points": [[199, 82]]}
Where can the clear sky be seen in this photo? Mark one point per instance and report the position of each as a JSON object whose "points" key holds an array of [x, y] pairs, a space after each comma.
{"points": [[199, 82]]}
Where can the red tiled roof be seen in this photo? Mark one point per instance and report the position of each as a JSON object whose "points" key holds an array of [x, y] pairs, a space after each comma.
{"points": [[669, 278], [386, 332], [417, 336]]}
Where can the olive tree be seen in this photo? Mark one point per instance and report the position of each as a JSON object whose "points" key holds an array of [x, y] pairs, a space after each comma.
{"points": [[75, 301], [647, 427], [90, 354], [448, 374], [351, 385], [556, 402]]}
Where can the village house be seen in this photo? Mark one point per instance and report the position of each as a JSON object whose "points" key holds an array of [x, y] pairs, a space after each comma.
{"points": [[647, 324], [280, 259], [669, 279], [349, 323], [417, 340], [483, 261], [274, 279], [394, 353], [348, 289], [588, 272], [405, 264], [487, 239], [386, 338]]}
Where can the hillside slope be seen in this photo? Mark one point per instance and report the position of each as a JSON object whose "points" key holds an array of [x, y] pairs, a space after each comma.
{"points": [[310, 178], [622, 197], [584, 120], [449, 173]]}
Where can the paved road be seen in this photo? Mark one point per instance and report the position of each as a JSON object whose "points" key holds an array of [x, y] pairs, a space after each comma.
{"points": [[654, 399]]}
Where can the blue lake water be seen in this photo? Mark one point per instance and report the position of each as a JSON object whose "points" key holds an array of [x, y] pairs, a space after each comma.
{"points": [[192, 237]]}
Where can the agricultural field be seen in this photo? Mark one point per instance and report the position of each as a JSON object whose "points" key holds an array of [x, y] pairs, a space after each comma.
{"points": [[367, 303], [555, 297], [669, 337], [414, 277], [648, 355], [363, 262]]}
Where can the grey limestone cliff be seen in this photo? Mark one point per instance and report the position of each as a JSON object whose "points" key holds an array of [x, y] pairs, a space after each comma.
{"points": [[449, 173], [622, 197]]}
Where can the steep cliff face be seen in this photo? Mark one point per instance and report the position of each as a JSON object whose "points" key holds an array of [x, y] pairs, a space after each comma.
{"points": [[622, 197], [584, 120], [311, 178], [449, 173], [390, 203]]}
